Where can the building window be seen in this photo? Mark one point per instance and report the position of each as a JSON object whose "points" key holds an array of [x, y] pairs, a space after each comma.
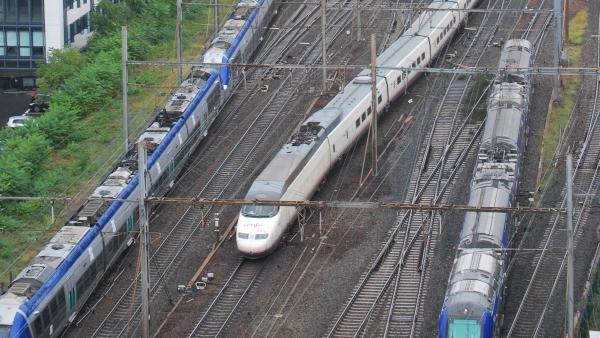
{"points": [[37, 12], [2, 11], [72, 32], [2, 49], [11, 43], [11, 10], [24, 42], [38, 44], [23, 11]]}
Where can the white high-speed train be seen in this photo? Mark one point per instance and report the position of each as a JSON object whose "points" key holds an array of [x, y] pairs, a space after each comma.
{"points": [[299, 167]]}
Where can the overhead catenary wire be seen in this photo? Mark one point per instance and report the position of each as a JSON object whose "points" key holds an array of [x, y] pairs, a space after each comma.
{"points": [[308, 204], [458, 69]]}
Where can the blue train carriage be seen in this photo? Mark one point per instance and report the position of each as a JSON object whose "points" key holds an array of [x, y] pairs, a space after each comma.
{"points": [[47, 295], [475, 287], [473, 295]]}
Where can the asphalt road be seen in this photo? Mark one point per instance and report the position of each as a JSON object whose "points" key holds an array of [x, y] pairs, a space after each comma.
{"points": [[13, 103]]}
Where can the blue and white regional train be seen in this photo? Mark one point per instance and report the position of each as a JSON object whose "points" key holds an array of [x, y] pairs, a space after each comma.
{"points": [[476, 283], [47, 295], [299, 167]]}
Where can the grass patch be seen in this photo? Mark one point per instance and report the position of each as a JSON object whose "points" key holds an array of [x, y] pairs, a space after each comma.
{"points": [[480, 112], [96, 144], [560, 113]]}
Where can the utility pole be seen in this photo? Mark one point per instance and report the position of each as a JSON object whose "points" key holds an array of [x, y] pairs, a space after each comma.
{"points": [[324, 43], [178, 33], [570, 269], [217, 16], [144, 240], [374, 103], [558, 26], [357, 22], [124, 58], [566, 20]]}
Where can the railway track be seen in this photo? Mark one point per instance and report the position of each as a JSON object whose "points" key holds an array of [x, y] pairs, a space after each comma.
{"points": [[388, 300], [223, 307], [124, 315], [548, 266]]}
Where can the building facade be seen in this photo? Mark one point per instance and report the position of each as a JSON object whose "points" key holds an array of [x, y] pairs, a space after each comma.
{"points": [[31, 29]]}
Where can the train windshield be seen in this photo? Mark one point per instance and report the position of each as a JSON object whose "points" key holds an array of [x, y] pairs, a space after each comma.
{"points": [[461, 328], [4, 331], [260, 210]]}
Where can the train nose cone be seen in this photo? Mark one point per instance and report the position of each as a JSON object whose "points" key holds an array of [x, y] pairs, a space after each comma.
{"points": [[252, 248]]}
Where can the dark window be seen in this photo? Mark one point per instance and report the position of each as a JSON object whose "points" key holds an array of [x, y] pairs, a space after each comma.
{"points": [[72, 32], [414, 65], [369, 111], [399, 79], [364, 116], [419, 60], [46, 316], [379, 99], [37, 326], [23, 11], [423, 56], [2, 11], [11, 10], [357, 122], [37, 12]]}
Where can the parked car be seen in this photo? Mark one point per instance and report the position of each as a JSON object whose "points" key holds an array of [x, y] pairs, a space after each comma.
{"points": [[17, 121]]}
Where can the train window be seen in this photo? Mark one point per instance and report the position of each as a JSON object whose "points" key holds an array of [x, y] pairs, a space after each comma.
{"points": [[364, 116], [334, 148], [46, 316], [242, 235], [399, 79], [379, 99], [54, 305], [369, 111], [423, 56], [37, 326], [260, 210], [419, 60], [414, 65], [357, 122], [61, 299]]}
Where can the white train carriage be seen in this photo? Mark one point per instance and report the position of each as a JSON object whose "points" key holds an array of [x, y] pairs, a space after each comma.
{"points": [[44, 299], [299, 167]]}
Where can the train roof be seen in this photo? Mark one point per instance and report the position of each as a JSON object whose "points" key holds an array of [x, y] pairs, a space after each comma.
{"points": [[415, 34], [516, 53], [39, 270], [474, 274], [504, 116], [273, 180], [399, 51], [9, 305]]}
